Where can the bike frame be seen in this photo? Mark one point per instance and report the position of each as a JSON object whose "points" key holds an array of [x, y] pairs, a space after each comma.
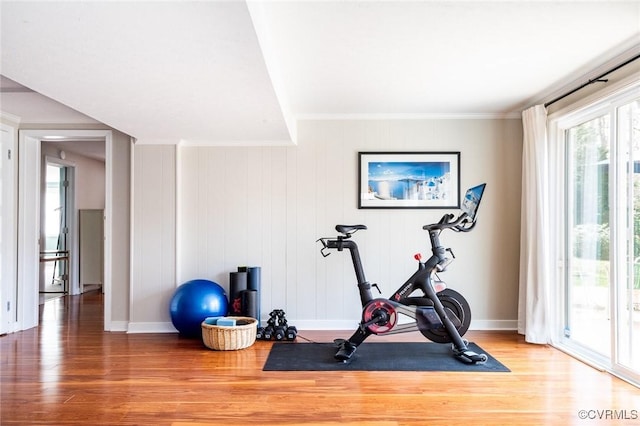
{"points": [[401, 299], [420, 280]]}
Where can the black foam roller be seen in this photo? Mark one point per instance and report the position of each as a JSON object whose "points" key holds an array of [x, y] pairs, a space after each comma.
{"points": [[253, 283], [237, 284], [253, 278], [250, 304]]}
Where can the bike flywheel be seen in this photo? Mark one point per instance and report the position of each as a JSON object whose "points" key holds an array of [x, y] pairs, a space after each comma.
{"points": [[458, 311], [379, 316]]}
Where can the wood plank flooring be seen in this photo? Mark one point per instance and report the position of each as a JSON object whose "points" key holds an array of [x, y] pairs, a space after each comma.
{"points": [[69, 372]]}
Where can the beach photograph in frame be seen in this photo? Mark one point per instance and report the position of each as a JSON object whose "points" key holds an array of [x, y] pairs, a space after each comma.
{"points": [[409, 180]]}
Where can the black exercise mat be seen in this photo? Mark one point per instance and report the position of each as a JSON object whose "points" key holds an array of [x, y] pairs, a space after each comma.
{"points": [[400, 356]]}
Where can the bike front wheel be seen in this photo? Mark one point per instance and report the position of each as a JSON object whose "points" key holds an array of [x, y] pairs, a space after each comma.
{"points": [[458, 310]]}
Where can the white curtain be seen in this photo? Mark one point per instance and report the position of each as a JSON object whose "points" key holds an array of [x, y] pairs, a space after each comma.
{"points": [[533, 303]]}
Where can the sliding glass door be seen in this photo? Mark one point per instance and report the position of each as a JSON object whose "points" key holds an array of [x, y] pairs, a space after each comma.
{"points": [[588, 314], [601, 303], [628, 237]]}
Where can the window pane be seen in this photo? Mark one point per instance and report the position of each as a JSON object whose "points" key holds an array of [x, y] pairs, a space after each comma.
{"points": [[629, 278], [588, 321], [52, 207]]}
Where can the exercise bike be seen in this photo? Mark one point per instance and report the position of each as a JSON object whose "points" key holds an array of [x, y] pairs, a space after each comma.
{"points": [[441, 314]]}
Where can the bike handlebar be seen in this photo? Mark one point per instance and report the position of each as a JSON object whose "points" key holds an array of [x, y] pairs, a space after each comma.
{"points": [[438, 262], [462, 223]]}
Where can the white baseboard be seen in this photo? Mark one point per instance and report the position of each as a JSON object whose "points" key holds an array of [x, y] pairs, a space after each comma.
{"points": [[119, 326], [353, 324], [507, 325], [338, 325], [151, 327], [323, 324]]}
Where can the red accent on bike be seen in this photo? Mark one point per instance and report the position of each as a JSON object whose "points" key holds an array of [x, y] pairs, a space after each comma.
{"points": [[439, 286], [417, 257]]}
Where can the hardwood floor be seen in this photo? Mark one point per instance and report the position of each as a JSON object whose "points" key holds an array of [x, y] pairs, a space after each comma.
{"points": [[68, 371]]}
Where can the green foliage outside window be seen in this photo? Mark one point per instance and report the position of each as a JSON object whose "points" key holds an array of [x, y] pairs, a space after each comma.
{"points": [[590, 172]]}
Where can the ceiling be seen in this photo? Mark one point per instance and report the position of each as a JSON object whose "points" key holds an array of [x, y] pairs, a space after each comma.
{"points": [[236, 72]]}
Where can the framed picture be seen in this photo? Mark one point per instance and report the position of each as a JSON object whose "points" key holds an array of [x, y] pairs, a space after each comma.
{"points": [[409, 180]]}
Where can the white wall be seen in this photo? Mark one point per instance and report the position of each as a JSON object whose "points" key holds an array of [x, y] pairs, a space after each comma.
{"points": [[89, 176], [154, 228], [266, 206], [120, 247]]}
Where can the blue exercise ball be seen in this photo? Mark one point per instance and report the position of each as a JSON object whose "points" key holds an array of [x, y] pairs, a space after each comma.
{"points": [[194, 301]]}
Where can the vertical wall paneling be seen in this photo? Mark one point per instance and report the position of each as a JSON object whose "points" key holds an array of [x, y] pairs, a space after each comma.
{"points": [[284, 293], [233, 203], [154, 237], [213, 230], [322, 171], [283, 227], [301, 232], [263, 241], [255, 214], [186, 186], [266, 206]]}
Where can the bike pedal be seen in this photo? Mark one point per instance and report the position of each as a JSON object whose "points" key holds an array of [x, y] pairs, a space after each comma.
{"points": [[470, 357], [346, 351]]}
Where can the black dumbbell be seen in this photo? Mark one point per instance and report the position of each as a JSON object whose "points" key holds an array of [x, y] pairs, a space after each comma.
{"points": [[292, 332], [279, 333], [267, 334]]}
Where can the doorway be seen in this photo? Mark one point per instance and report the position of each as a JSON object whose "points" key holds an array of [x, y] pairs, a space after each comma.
{"points": [[55, 253], [29, 178]]}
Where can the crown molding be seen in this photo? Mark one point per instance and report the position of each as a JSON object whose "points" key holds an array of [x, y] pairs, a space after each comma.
{"points": [[5, 116], [410, 116], [186, 142]]}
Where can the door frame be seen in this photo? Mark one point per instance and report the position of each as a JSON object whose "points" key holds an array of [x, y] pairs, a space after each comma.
{"points": [[8, 284], [29, 170]]}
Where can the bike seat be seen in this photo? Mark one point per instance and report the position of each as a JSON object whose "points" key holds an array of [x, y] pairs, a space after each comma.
{"points": [[347, 229]]}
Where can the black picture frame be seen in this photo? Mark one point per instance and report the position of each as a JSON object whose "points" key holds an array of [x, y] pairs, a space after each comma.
{"points": [[409, 180]]}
